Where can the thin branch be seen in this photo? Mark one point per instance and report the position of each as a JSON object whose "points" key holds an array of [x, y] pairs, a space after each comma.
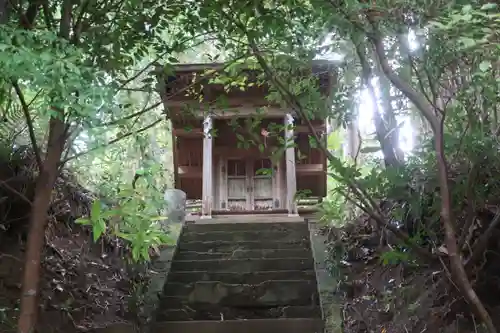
{"points": [[482, 242], [397, 232], [470, 212], [34, 98], [77, 27], [140, 72], [156, 122], [369, 205], [13, 190], [176, 93], [421, 103], [133, 115], [419, 80], [29, 123]]}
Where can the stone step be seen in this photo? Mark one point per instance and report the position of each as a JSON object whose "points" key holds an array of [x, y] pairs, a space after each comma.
{"points": [[242, 236], [277, 226], [302, 325], [244, 254], [240, 301], [243, 265], [211, 312], [241, 278], [219, 246], [268, 293]]}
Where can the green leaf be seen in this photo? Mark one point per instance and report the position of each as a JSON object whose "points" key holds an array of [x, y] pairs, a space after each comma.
{"points": [[312, 142], [485, 65], [158, 218], [468, 42], [98, 229], [467, 8], [438, 25], [83, 221], [136, 253], [489, 6], [145, 253], [95, 212]]}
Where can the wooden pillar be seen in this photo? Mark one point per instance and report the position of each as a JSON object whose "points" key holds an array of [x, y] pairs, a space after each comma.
{"points": [[291, 180], [222, 185], [206, 208], [276, 179]]}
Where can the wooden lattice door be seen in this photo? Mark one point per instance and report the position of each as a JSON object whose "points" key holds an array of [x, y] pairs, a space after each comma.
{"points": [[249, 184], [238, 194], [261, 188]]}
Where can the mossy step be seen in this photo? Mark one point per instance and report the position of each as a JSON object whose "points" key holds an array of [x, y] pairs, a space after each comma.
{"points": [[230, 227], [240, 277], [243, 265], [228, 246], [244, 254], [215, 312], [242, 236], [302, 325], [267, 293]]}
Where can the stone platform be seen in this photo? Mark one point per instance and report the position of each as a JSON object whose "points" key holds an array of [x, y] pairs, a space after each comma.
{"points": [[245, 274], [242, 274]]}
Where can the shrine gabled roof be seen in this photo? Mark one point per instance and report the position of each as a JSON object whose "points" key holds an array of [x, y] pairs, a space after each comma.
{"points": [[317, 65], [187, 92]]}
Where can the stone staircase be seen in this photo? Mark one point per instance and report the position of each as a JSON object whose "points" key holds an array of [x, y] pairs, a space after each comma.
{"points": [[253, 277]]}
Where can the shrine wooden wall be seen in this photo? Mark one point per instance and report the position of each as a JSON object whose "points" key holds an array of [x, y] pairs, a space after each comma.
{"points": [[239, 140]]}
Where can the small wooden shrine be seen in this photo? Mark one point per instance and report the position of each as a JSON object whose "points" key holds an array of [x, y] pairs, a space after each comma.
{"points": [[222, 150]]}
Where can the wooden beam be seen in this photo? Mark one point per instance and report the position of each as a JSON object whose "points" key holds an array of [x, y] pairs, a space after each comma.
{"points": [[277, 202], [291, 180], [198, 132], [234, 152], [183, 132], [221, 166], [241, 110], [175, 160], [309, 169]]}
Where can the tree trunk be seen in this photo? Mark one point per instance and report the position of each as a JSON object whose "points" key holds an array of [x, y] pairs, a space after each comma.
{"points": [[459, 274], [38, 222], [389, 118], [4, 11], [353, 140], [387, 138]]}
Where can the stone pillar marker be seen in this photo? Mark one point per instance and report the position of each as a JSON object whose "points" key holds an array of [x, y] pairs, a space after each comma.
{"points": [[175, 211]]}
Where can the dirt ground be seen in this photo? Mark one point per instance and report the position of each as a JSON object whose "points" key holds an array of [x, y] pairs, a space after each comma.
{"points": [[84, 285], [399, 297]]}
